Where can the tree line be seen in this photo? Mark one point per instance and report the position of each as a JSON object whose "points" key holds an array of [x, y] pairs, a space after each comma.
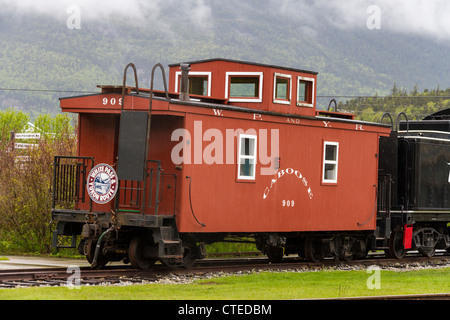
{"points": [[416, 105]]}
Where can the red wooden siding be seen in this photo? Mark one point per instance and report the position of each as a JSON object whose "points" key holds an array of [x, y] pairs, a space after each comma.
{"points": [[292, 197]]}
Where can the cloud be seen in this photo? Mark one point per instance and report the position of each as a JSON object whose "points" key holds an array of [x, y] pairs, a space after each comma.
{"points": [[89, 9], [136, 11], [425, 18], [428, 18]]}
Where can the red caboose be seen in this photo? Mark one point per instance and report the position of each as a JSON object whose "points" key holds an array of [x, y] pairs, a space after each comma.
{"points": [[232, 148]]}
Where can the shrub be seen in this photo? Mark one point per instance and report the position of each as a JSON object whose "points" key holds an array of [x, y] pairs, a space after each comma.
{"points": [[25, 188]]}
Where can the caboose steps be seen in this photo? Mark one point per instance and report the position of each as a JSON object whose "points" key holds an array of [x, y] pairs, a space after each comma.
{"points": [[170, 249], [169, 245]]}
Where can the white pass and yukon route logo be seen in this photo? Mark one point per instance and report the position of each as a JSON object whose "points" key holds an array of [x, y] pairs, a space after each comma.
{"points": [[102, 183]]}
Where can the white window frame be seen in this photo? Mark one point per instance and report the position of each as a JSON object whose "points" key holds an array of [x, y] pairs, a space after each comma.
{"points": [[250, 157], [302, 103], [281, 75], [193, 73], [332, 162], [243, 74]]}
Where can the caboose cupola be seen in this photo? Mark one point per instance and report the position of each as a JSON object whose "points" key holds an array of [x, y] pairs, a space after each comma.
{"points": [[248, 85]]}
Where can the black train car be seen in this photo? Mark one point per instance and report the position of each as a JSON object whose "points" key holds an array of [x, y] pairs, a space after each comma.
{"points": [[415, 199]]}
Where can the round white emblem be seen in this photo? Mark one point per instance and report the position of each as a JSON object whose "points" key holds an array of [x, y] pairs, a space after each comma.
{"points": [[102, 183]]}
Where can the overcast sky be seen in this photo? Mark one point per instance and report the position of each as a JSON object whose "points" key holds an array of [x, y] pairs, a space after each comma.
{"points": [[428, 18]]}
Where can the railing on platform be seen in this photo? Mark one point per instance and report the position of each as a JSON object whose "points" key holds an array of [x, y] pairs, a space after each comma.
{"points": [[131, 192], [70, 178]]}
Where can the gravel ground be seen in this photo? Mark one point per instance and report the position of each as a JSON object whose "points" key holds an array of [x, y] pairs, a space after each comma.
{"points": [[398, 267]]}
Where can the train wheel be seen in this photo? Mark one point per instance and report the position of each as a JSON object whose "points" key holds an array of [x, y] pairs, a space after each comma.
{"points": [[141, 252], [301, 249], [275, 254], [90, 253], [396, 249], [426, 240], [346, 256], [427, 251], [313, 249]]}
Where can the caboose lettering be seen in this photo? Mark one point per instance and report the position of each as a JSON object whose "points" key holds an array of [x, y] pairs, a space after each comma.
{"points": [[92, 192], [178, 187], [257, 116], [293, 120], [288, 171], [96, 171], [107, 196]]}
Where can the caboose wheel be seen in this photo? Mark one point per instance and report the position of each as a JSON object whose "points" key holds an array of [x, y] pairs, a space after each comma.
{"points": [[142, 252], [427, 251], [396, 249], [90, 253], [313, 249], [301, 248], [275, 254]]}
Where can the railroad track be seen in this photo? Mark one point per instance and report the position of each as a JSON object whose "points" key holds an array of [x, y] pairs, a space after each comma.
{"points": [[433, 296], [65, 276], [11, 278], [62, 276]]}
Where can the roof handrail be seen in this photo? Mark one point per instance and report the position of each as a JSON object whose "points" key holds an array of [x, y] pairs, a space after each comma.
{"points": [[151, 84], [125, 81], [397, 122], [335, 105], [390, 117]]}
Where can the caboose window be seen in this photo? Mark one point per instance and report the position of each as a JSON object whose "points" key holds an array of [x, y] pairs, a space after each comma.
{"points": [[330, 162], [282, 88], [247, 157], [305, 92], [199, 83], [198, 86], [244, 86], [302, 91]]}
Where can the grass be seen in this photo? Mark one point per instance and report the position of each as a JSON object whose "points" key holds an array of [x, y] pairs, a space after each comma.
{"points": [[256, 286], [227, 247]]}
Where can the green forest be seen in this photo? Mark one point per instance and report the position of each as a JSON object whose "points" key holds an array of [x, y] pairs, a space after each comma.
{"points": [[416, 105]]}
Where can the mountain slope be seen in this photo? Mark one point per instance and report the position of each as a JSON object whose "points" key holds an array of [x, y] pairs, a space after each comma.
{"points": [[39, 52]]}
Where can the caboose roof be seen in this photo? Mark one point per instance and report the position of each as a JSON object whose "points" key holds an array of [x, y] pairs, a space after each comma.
{"points": [[244, 62]]}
